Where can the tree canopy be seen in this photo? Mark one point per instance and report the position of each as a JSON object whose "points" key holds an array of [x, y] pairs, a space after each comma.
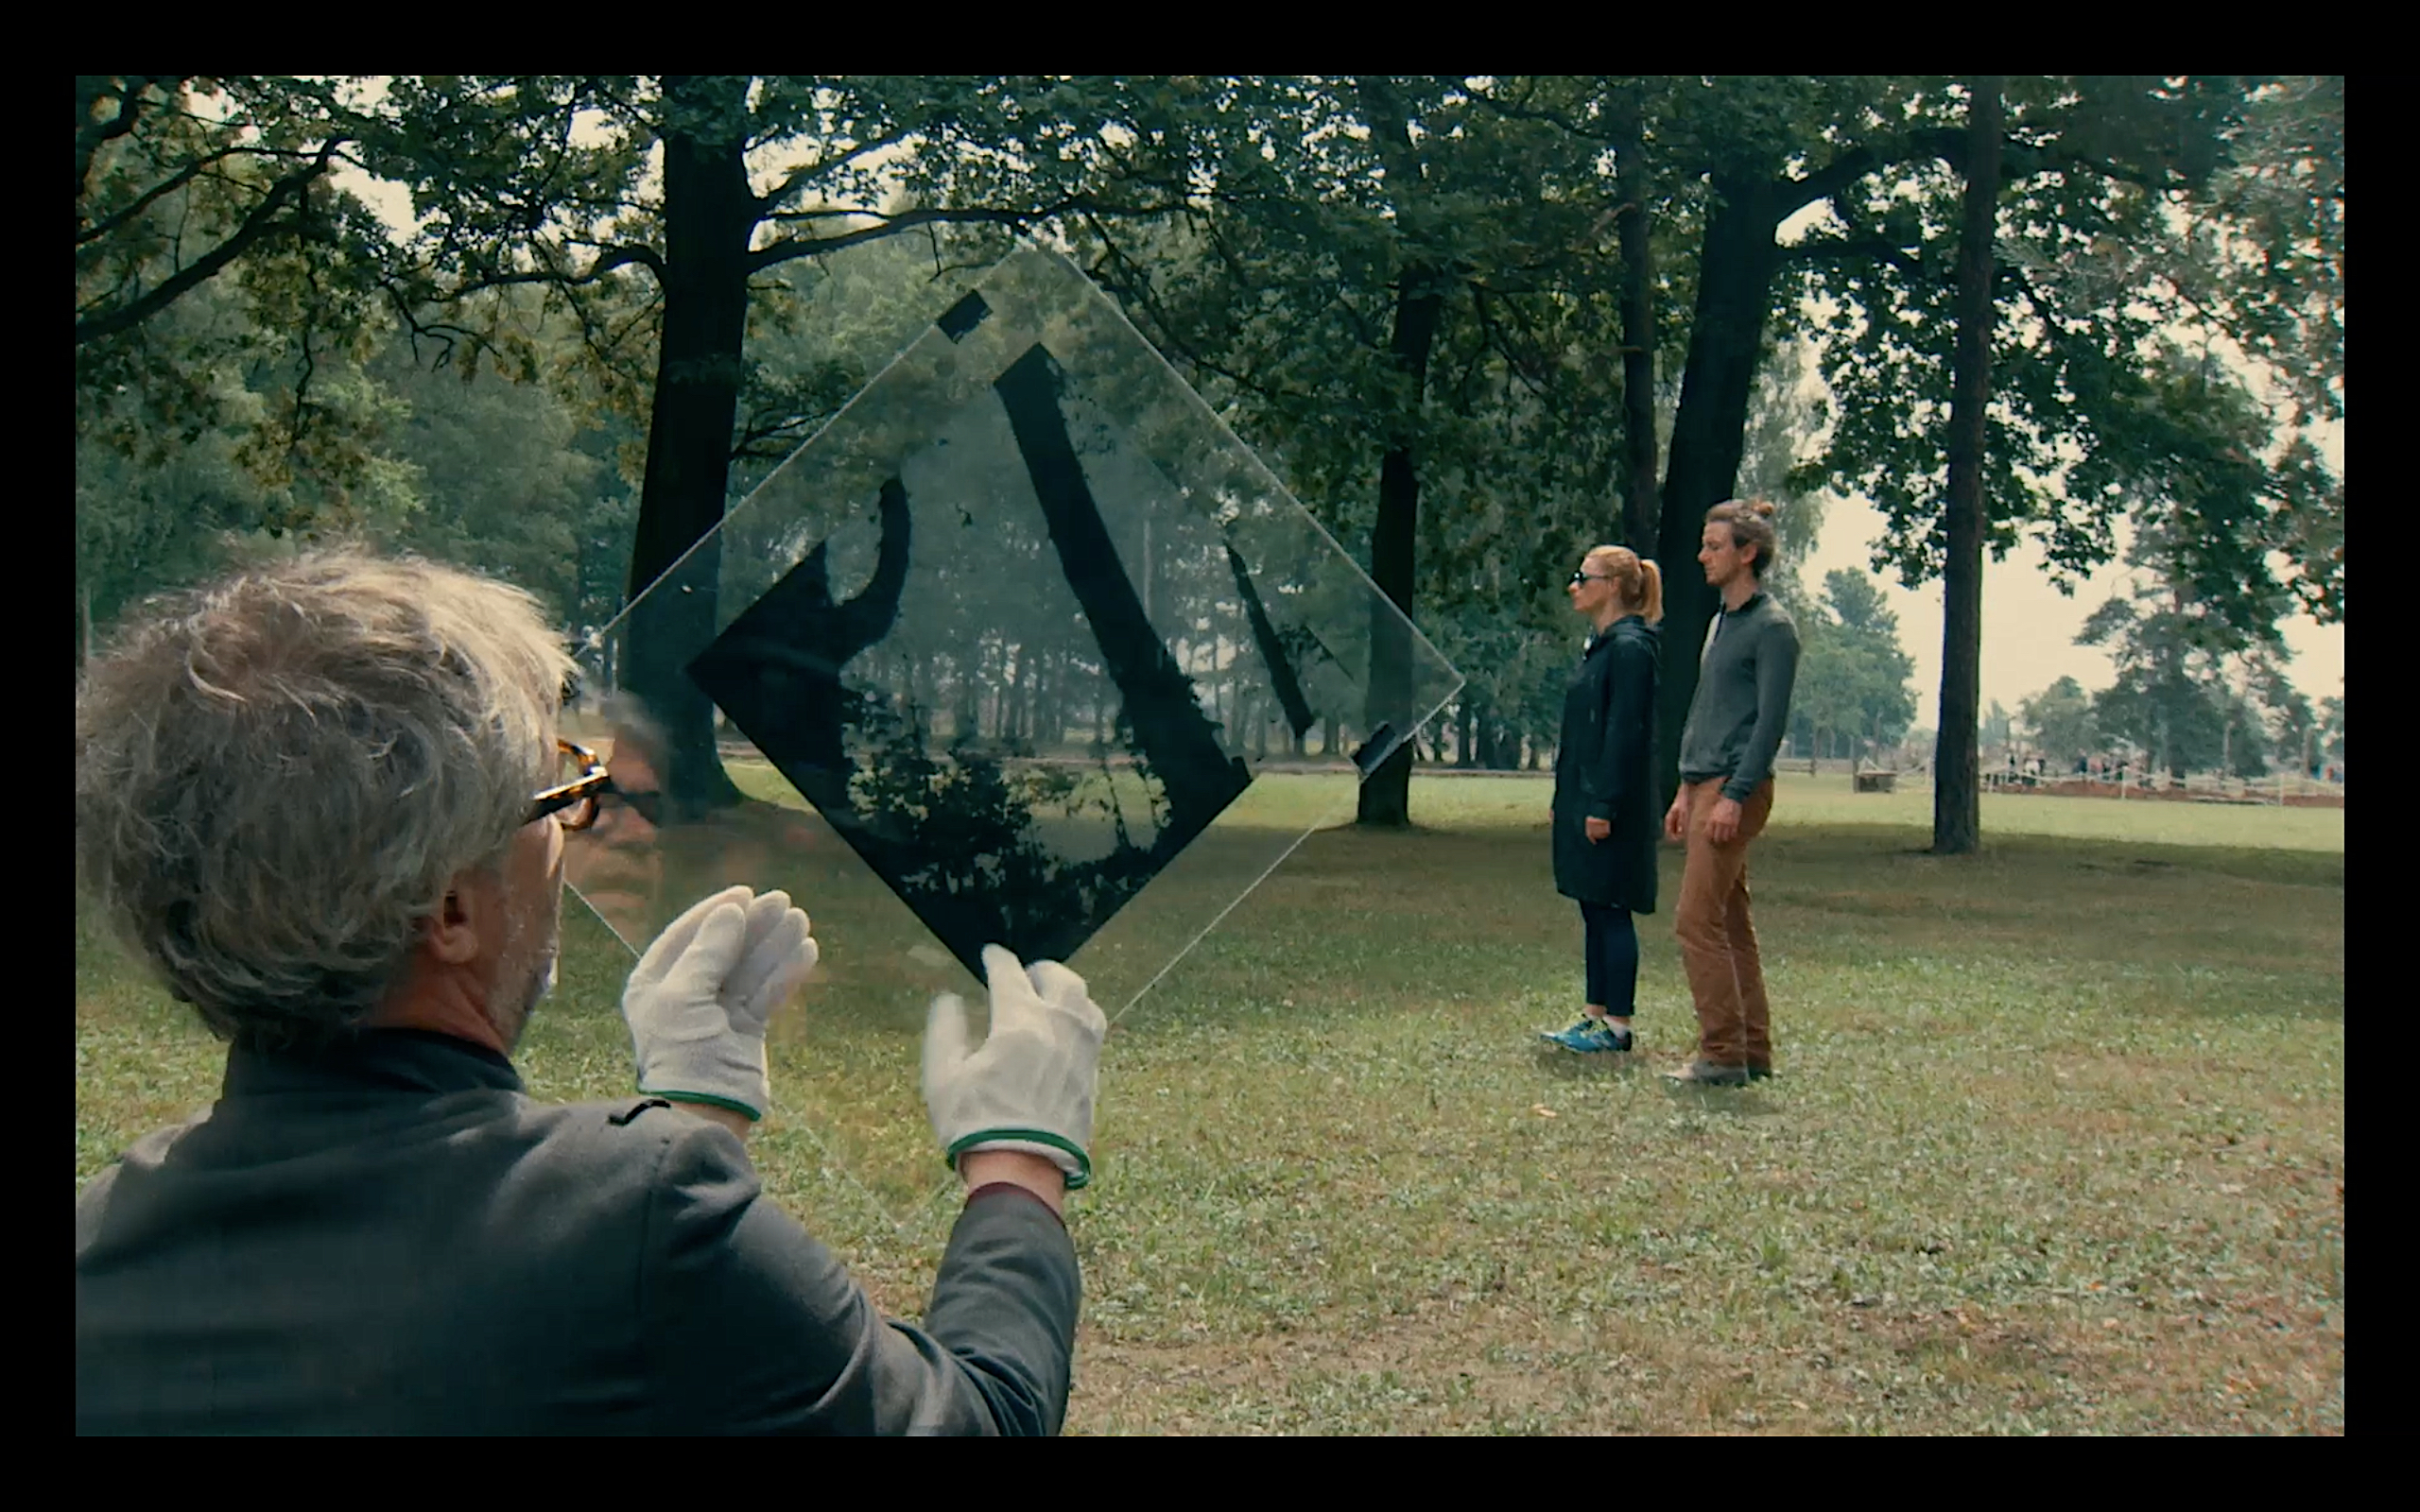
{"points": [[1477, 323]]}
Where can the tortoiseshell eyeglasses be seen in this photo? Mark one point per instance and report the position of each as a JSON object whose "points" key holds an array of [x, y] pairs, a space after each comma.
{"points": [[575, 800]]}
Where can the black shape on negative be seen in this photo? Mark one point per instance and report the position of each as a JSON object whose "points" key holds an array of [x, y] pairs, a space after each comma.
{"points": [[953, 834], [1375, 751], [780, 662], [1280, 671], [1175, 735], [963, 317]]}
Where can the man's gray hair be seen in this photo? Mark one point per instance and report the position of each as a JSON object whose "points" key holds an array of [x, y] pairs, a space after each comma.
{"points": [[277, 775]]}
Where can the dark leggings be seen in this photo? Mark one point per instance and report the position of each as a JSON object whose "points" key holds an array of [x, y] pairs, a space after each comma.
{"points": [[1611, 947]]}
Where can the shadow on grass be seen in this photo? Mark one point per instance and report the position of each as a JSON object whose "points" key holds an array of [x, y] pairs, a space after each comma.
{"points": [[1572, 1066], [2045, 855]]}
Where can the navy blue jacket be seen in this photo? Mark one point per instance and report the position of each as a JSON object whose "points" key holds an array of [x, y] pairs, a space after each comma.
{"points": [[1603, 769]]}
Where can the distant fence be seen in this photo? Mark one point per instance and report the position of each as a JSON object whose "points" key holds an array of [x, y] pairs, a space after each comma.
{"points": [[2284, 790]]}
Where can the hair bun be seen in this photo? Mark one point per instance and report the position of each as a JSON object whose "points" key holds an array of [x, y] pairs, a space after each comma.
{"points": [[1764, 507]]}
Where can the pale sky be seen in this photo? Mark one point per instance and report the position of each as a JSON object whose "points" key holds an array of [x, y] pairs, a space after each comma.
{"points": [[2029, 627]]}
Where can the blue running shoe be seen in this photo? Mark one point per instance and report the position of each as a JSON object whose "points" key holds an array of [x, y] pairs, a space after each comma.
{"points": [[1589, 1036]]}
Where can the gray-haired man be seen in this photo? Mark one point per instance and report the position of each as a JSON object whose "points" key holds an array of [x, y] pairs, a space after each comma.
{"points": [[326, 802]]}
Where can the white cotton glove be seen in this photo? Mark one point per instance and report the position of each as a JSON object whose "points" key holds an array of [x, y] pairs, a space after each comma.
{"points": [[1030, 1086], [701, 997]]}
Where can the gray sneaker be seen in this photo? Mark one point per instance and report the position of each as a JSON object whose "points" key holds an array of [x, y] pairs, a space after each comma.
{"points": [[1707, 1073]]}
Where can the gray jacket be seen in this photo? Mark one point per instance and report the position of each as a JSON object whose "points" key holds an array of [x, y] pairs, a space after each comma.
{"points": [[1741, 709], [394, 1239]]}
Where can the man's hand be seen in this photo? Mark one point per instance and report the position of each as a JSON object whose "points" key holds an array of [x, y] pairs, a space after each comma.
{"points": [[1676, 818], [702, 996], [1723, 822], [1596, 828], [1030, 1088]]}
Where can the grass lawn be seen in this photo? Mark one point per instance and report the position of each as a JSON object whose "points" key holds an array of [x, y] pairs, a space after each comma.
{"points": [[2057, 1142]]}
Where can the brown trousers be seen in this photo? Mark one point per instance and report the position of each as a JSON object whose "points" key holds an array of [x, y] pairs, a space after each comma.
{"points": [[1717, 943]]}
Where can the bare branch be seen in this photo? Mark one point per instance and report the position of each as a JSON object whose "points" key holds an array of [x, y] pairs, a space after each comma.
{"points": [[2019, 161], [809, 173], [790, 248], [647, 257], [1170, 338], [819, 214], [145, 200], [1853, 249], [90, 134], [262, 223]]}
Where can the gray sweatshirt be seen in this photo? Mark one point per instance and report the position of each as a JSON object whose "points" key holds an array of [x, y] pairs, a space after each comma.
{"points": [[1741, 709]]}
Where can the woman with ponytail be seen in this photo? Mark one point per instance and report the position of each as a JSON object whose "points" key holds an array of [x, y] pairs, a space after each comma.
{"points": [[1604, 788]]}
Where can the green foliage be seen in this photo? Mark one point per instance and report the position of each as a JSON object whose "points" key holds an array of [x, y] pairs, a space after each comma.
{"points": [[1263, 231], [210, 237], [1856, 685], [1996, 727], [2060, 724], [2189, 692], [2095, 413]]}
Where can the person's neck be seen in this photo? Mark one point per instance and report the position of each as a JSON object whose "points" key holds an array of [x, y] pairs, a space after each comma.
{"points": [[442, 1001], [1739, 590], [1606, 618]]}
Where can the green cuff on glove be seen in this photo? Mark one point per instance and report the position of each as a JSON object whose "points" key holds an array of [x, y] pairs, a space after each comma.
{"points": [[753, 1116], [1076, 1180]]}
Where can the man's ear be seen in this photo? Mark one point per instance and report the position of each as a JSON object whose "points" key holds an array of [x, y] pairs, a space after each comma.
{"points": [[452, 934]]}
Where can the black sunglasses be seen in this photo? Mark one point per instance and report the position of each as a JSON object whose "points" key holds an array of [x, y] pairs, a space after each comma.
{"points": [[1585, 577]]}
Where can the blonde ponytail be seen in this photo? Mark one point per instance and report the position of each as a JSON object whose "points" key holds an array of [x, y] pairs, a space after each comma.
{"points": [[1636, 581], [1651, 601]]}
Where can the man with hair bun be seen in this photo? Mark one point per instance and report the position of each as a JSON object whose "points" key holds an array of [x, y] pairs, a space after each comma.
{"points": [[326, 800], [1736, 719]]}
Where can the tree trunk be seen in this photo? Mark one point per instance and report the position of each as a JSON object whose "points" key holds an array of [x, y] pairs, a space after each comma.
{"points": [[1504, 753], [708, 216], [1957, 817], [1709, 432], [1641, 510], [1420, 300]]}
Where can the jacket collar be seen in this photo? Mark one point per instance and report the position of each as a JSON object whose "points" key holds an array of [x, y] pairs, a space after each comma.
{"points": [[418, 1060], [1746, 605], [1597, 638]]}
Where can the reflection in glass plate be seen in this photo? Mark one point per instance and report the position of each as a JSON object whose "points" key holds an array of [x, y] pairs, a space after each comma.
{"points": [[1002, 655]]}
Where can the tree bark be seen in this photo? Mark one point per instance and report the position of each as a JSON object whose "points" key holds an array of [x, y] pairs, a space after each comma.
{"points": [[1726, 338], [1420, 300], [1957, 817], [709, 215], [1642, 510]]}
